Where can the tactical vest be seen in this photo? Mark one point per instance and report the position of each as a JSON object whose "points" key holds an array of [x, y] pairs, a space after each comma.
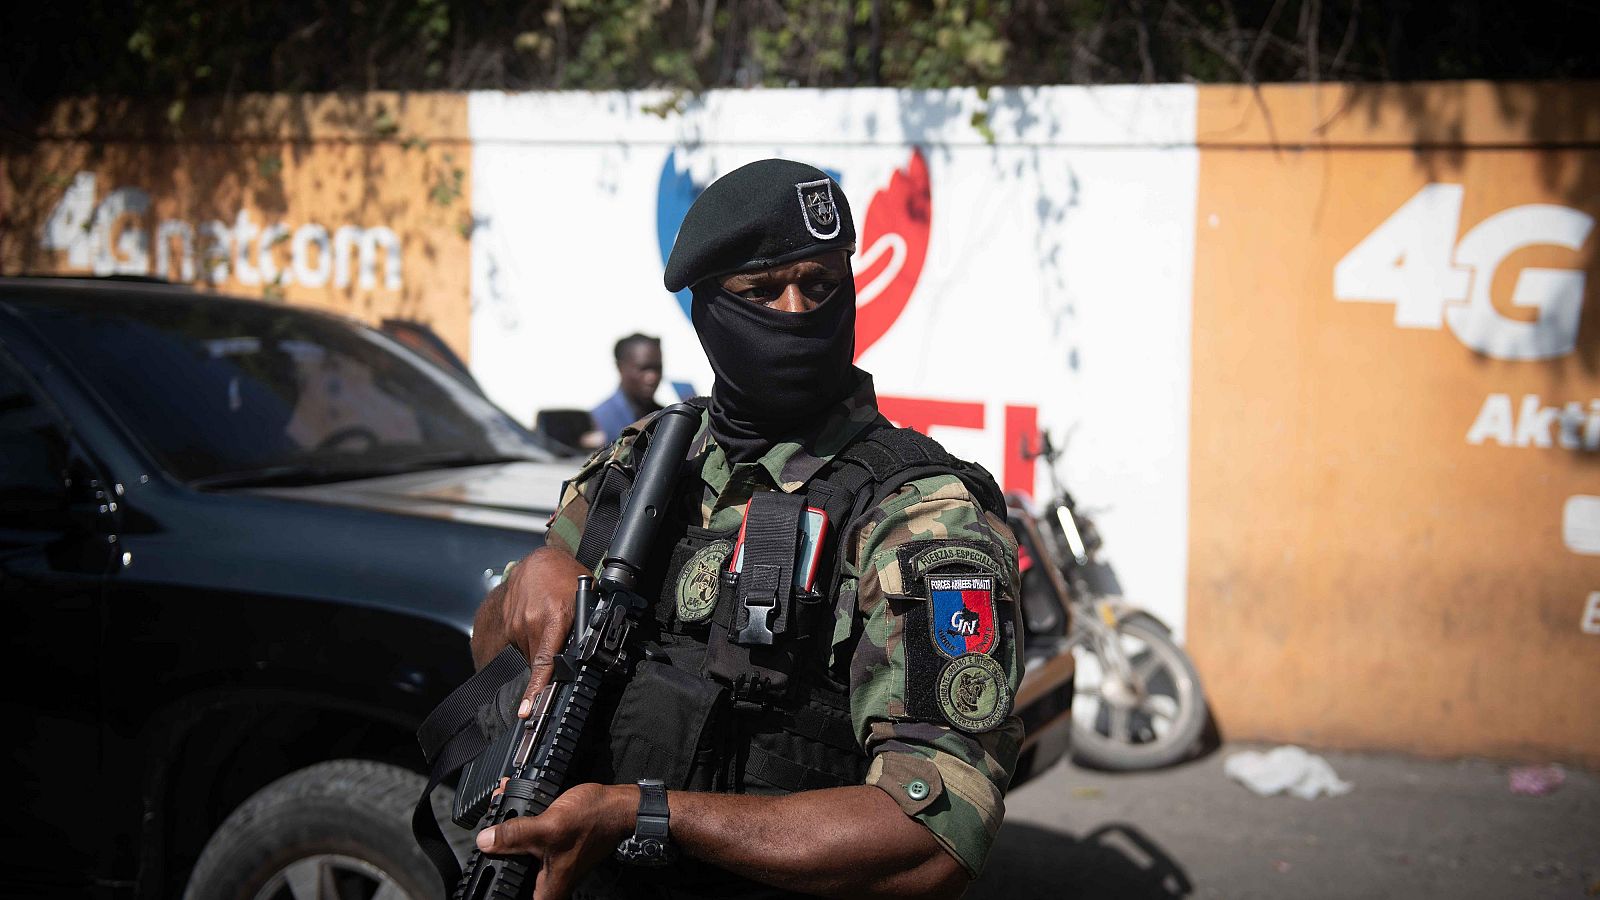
{"points": [[741, 697], [736, 697]]}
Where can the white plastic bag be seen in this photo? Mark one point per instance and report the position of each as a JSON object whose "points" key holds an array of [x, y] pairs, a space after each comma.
{"points": [[1285, 769]]}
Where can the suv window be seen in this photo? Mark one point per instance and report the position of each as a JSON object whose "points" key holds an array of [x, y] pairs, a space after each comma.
{"points": [[225, 392], [33, 457]]}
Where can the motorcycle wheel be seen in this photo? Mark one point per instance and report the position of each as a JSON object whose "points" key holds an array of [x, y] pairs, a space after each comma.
{"points": [[1160, 725]]}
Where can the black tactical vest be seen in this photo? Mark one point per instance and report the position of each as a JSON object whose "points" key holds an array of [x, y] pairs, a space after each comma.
{"points": [[712, 704], [730, 690]]}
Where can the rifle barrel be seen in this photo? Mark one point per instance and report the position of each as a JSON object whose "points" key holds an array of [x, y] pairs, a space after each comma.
{"points": [[636, 533]]}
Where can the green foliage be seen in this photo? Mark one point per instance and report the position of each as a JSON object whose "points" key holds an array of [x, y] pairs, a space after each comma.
{"points": [[384, 125], [447, 185], [980, 124], [269, 166], [955, 43], [177, 49], [672, 103]]}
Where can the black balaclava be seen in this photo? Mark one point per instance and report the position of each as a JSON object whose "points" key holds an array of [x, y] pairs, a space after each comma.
{"points": [[776, 372]]}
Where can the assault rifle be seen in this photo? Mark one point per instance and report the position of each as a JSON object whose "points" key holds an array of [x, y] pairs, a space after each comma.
{"points": [[533, 757]]}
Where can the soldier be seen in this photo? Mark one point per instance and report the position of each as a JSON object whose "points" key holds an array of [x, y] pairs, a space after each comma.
{"points": [[826, 679]]}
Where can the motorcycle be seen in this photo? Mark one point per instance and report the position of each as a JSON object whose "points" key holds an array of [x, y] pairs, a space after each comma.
{"points": [[1138, 703]]}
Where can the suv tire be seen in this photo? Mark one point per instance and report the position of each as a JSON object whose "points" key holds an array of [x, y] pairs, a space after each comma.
{"points": [[326, 832]]}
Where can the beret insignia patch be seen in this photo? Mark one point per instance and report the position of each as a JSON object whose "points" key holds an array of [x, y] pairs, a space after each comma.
{"points": [[817, 208], [973, 693], [697, 583]]}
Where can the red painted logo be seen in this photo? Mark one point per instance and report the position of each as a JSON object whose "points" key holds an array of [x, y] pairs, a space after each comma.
{"points": [[894, 245]]}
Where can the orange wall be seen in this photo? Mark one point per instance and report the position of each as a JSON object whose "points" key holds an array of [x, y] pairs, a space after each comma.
{"points": [[374, 161], [1361, 574]]}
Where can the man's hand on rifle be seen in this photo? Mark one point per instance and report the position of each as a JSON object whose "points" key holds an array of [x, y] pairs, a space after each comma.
{"points": [[858, 843], [582, 827], [533, 610]]}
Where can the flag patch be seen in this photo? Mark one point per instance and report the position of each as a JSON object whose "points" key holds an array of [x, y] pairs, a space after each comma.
{"points": [[963, 615]]}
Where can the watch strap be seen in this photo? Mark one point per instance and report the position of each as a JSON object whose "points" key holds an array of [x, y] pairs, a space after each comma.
{"points": [[651, 841], [653, 818]]}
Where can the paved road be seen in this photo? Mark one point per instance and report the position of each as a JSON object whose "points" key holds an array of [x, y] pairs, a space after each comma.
{"points": [[1411, 828]]}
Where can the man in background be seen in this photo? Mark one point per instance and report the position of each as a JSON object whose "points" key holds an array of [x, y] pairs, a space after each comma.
{"points": [[638, 359]]}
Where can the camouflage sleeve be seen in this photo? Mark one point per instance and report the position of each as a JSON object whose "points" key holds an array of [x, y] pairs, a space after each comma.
{"points": [[564, 531], [933, 676]]}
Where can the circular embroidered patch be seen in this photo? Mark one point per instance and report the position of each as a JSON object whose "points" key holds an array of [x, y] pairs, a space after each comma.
{"points": [[697, 583], [973, 693]]}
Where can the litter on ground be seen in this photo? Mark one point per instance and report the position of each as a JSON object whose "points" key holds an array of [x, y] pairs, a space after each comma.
{"points": [[1536, 781], [1285, 770]]}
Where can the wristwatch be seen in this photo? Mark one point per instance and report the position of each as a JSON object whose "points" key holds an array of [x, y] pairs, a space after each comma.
{"points": [[651, 841]]}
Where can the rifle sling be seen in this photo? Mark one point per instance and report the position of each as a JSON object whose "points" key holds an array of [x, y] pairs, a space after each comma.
{"points": [[450, 739]]}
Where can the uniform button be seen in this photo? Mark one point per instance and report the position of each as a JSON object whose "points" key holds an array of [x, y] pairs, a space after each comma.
{"points": [[917, 790]]}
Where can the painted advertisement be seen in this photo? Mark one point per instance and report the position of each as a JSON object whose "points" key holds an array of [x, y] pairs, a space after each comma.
{"points": [[1040, 280], [1396, 443], [1325, 360], [358, 205]]}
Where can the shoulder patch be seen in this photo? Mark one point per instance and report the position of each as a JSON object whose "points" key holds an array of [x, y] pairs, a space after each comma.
{"points": [[963, 615], [959, 622], [973, 693], [948, 553], [920, 559]]}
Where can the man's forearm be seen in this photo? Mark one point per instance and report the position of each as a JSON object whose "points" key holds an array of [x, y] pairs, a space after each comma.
{"points": [[840, 842], [488, 629]]}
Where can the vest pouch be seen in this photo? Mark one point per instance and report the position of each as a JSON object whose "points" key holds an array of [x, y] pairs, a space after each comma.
{"points": [[758, 672], [814, 748], [665, 727]]}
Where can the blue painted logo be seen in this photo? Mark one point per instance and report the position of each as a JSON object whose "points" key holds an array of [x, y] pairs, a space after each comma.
{"points": [[675, 193]]}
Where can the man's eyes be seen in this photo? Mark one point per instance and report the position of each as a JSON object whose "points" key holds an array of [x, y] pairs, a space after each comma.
{"points": [[816, 290], [820, 290]]}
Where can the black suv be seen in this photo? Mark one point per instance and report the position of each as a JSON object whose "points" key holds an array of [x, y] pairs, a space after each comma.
{"points": [[241, 545]]}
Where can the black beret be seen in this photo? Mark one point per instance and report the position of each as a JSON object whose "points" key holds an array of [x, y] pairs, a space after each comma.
{"points": [[767, 212]]}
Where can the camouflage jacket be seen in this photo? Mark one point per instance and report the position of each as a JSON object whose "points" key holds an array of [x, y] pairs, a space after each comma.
{"points": [[948, 779]]}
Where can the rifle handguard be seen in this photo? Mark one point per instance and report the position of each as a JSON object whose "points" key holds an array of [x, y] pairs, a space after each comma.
{"points": [[539, 752]]}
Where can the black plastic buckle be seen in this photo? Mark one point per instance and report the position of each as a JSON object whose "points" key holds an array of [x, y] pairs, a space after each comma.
{"points": [[755, 616]]}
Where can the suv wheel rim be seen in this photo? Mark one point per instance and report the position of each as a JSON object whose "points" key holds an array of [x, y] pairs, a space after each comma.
{"points": [[331, 876]]}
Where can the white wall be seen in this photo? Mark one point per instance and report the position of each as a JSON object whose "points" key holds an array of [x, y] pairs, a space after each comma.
{"points": [[1057, 273]]}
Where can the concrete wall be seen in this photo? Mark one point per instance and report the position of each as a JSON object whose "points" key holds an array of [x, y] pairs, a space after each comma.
{"points": [[1325, 358], [1396, 417], [358, 204]]}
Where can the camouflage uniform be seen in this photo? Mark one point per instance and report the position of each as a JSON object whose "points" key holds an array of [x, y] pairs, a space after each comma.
{"points": [[962, 775]]}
